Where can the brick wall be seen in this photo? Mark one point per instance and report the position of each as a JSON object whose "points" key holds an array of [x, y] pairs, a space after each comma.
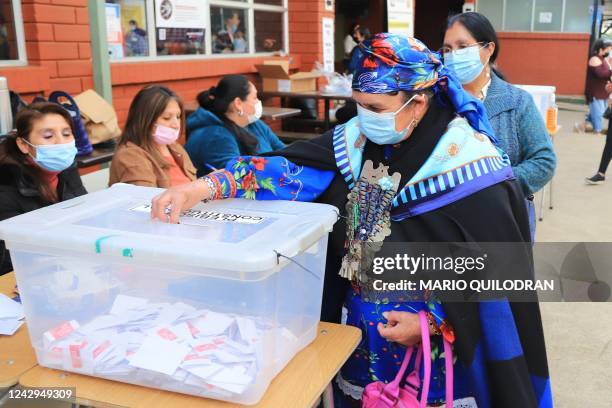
{"points": [[557, 59], [58, 48], [59, 55]]}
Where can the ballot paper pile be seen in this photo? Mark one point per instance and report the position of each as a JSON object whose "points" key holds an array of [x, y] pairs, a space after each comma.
{"points": [[11, 316], [173, 346]]}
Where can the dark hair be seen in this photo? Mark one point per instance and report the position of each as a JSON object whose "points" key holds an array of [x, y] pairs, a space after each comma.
{"points": [[231, 13], [11, 154], [481, 29], [364, 32], [133, 22], [599, 45], [217, 100], [148, 105]]}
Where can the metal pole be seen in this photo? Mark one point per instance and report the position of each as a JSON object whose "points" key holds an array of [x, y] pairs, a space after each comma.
{"points": [[99, 49]]}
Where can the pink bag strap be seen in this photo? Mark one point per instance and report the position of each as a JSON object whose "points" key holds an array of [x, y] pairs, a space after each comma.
{"points": [[425, 344], [448, 358]]}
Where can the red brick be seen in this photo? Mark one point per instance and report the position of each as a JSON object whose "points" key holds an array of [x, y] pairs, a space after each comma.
{"points": [[51, 66], [87, 83], [82, 16], [71, 85], [71, 33], [78, 3], [43, 13], [74, 68], [38, 32], [52, 51], [84, 50]]}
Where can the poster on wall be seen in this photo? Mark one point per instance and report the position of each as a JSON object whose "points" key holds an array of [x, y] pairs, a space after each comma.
{"points": [[400, 17], [180, 13], [328, 44], [114, 34]]}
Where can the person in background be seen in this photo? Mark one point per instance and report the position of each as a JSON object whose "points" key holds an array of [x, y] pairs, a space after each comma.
{"points": [[227, 125], [37, 166], [361, 34], [148, 153], [606, 155], [349, 43], [599, 73], [225, 38], [469, 51], [136, 40], [349, 110]]}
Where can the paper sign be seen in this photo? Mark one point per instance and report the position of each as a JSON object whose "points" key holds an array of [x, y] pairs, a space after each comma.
{"points": [[180, 13], [545, 17]]}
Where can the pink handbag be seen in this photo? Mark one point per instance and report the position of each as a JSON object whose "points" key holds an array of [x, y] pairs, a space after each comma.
{"points": [[381, 395]]}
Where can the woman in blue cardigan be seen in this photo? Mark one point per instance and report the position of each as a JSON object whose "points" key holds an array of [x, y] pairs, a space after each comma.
{"points": [[227, 125], [470, 50]]}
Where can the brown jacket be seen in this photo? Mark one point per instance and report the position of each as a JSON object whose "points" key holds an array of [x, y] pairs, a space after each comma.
{"points": [[133, 165]]}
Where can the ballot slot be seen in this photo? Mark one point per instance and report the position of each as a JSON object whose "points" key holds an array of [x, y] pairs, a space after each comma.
{"points": [[167, 321]]}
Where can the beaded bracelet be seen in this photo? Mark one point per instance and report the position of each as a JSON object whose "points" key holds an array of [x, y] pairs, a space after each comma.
{"points": [[211, 186]]}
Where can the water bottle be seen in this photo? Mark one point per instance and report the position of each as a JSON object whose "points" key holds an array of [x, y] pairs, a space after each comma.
{"points": [[551, 115], [6, 116]]}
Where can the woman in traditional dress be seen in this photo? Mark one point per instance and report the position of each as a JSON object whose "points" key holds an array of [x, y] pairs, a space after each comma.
{"points": [[442, 180]]}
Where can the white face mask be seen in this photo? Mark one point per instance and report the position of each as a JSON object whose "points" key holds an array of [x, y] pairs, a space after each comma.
{"points": [[258, 111]]}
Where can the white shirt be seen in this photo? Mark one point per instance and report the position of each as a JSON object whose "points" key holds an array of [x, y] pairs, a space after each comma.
{"points": [[349, 44]]}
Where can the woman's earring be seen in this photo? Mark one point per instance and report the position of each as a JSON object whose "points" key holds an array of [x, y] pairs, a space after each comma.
{"points": [[240, 113]]}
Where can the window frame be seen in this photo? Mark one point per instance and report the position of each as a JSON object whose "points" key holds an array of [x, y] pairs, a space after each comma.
{"points": [[250, 6], [504, 5], [22, 59]]}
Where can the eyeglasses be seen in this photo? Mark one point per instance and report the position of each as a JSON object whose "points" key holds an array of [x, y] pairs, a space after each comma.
{"points": [[463, 50]]}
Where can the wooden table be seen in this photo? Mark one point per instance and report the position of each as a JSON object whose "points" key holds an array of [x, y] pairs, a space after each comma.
{"points": [[299, 385], [269, 112], [16, 353], [327, 97]]}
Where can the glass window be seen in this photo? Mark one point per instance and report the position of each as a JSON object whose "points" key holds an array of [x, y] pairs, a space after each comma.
{"points": [[11, 32], [272, 2], [578, 16], [268, 31], [518, 15], [548, 14], [229, 30], [493, 10], [126, 28]]}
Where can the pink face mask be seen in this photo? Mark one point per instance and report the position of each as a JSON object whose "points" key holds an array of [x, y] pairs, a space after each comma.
{"points": [[164, 135]]}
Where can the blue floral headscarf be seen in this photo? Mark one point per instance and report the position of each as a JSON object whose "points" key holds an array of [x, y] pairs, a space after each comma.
{"points": [[391, 62]]}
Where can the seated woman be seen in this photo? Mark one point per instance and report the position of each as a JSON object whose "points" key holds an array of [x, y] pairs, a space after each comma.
{"points": [[148, 153], [37, 165], [419, 164], [227, 125]]}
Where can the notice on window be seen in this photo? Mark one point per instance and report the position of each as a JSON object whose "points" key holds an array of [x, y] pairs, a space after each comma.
{"points": [[400, 17], [114, 34], [545, 17], [328, 44], [180, 13]]}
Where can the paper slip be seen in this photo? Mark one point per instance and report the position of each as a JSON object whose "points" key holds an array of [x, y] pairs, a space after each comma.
{"points": [[59, 332], [231, 379], [205, 371], [213, 324], [159, 355], [247, 328], [226, 357], [9, 308], [123, 303], [8, 327]]}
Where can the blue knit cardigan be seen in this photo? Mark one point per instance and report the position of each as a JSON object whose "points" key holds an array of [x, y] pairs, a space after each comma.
{"points": [[522, 134]]}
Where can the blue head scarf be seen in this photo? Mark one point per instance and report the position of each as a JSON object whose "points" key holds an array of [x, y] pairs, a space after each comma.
{"points": [[391, 63]]}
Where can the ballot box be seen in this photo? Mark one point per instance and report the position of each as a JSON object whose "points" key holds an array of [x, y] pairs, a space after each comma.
{"points": [[215, 306]]}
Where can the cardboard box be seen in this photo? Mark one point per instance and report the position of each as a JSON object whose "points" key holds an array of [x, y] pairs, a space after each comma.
{"points": [[276, 78]]}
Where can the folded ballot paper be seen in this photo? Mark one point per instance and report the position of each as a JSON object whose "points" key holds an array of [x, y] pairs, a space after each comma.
{"points": [[11, 315], [171, 346]]}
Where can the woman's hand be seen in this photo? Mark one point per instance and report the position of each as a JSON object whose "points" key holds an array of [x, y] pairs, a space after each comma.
{"points": [[179, 199], [402, 327]]}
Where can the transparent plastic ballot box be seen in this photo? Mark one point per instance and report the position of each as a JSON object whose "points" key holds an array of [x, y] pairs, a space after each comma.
{"points": [[215, 306]]}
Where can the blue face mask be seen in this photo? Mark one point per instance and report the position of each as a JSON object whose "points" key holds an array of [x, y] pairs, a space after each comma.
{"points": [[54, 157], [465, 63], [380, 128]]}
